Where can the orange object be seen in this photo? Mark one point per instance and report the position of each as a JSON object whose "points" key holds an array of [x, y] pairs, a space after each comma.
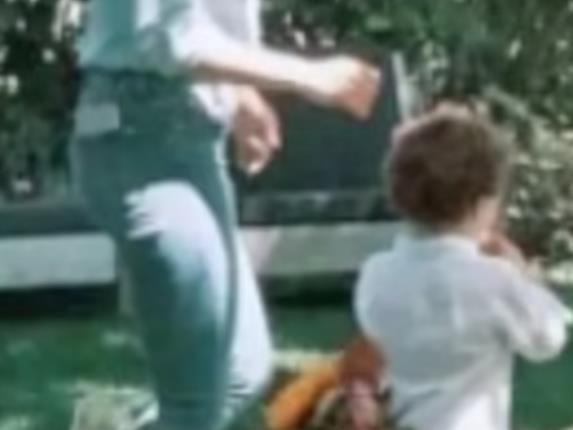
{"points": [[295, 402]]}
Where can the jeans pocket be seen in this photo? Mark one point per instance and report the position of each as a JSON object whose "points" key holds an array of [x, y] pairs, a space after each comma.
{"points": [[96, 119]]}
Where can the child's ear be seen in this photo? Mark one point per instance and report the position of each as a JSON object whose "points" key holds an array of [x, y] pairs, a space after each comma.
{"points": [[488, 217]]}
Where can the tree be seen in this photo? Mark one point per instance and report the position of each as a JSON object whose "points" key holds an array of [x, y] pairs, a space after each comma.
{"points": [[37, 86], [513, 55]]}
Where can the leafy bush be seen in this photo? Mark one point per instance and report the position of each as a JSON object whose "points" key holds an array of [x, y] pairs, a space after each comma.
{"points": [[455, 46], [37, 84], [513, 56]]}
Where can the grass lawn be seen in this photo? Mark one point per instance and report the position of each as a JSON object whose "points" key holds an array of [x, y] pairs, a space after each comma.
{"points": [[45, 362]]}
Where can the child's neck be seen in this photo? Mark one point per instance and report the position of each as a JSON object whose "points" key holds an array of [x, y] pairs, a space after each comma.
{"points": [[467, 228]]}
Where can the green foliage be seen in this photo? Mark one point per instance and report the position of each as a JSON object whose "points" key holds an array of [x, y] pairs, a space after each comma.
{"points": [[37, 82], [456, 46], [514, 56]]}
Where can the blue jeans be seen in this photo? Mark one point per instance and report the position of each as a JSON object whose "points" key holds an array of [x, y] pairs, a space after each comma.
{"points": [[158, 184]]}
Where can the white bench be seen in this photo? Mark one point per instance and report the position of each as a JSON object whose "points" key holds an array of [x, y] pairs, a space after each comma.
{"points": [[73, 260]]}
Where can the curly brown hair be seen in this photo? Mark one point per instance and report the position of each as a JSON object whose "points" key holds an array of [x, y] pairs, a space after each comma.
{"points": [[442, 163]]}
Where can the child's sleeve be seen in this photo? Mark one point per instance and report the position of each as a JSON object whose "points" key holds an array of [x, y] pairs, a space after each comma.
{"points": [[365, 291], [532, 318], [363, 297]]}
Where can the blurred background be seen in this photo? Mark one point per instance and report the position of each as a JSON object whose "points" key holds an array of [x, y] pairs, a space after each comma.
{"points": [[308, 223]]}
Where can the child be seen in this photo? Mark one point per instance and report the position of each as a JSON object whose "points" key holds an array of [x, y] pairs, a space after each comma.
{"points": [[450, 318]]}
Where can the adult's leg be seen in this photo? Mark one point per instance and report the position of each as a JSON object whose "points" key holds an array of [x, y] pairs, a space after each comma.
{"points": [[251, 353], [174, 223], [196, 377]]}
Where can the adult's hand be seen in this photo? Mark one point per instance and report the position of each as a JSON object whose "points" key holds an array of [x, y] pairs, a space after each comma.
{"points": [[344, 82], [256, 131]]}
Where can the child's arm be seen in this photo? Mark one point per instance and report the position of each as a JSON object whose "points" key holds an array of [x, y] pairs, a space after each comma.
{"points": [[498, 244], [537, 323], [533, 318], [364, 365]]}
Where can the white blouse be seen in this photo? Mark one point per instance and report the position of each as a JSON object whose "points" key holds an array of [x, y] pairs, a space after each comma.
{"points": [[156, 35], [159, 35], [450, 320]]}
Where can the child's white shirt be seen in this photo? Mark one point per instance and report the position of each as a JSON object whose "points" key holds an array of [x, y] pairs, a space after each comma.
{"points": [[450, 320]]}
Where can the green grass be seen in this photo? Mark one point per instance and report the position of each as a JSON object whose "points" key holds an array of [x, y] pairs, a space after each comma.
{"points": [[46, 363]]}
